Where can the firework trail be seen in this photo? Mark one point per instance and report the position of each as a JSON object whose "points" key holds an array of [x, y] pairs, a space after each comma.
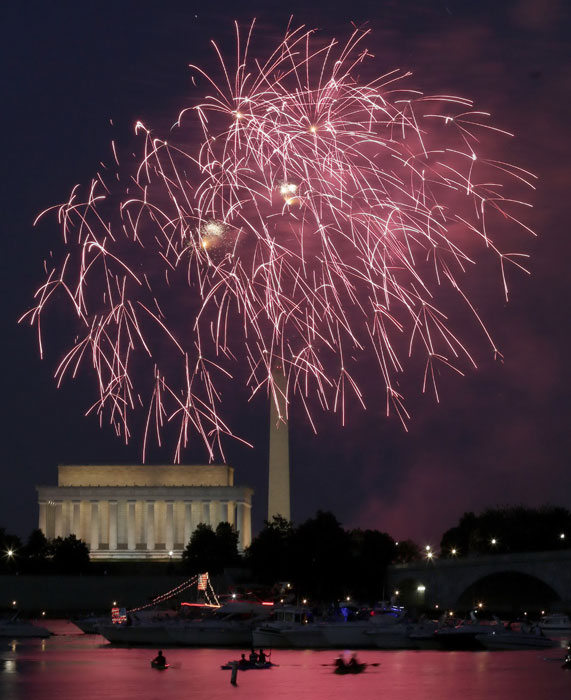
{"points": [[298, 216]]}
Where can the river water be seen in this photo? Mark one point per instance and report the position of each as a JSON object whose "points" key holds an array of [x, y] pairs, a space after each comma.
{"points": [[74, 666]]}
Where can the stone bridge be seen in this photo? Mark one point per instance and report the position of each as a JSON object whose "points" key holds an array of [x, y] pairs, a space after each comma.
{"points": [[445, 580]]}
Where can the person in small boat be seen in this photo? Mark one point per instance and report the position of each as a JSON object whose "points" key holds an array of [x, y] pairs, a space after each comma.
{"points": [[253, 657], [160, 660], [353, 661], [339, 662], [243, 661], [262, 658]]}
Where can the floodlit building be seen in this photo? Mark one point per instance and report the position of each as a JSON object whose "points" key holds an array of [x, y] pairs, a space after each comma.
{"points": [[142, 511]]}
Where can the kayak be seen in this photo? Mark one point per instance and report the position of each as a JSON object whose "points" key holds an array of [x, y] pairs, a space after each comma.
{"points": [[159, 667], [350, 668], [248, 666]]}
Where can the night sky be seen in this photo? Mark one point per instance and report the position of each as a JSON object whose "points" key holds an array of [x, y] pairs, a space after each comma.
{"points": [[499, 436]]}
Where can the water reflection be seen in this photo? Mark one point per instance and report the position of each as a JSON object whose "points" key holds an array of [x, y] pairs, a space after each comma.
{"points": [[7, 666], [68, 667]]}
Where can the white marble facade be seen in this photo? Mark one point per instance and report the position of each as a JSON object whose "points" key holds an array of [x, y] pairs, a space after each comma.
{"points": [[142, 511]]}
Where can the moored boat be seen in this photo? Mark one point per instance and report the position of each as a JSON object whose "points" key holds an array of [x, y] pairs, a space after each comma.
{"points": [[556, 622], [507, 639], [230, 625], [467, 635], [14, 629]]}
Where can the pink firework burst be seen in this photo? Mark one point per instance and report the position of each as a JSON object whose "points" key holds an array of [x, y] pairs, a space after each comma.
{"points": [[300, 217]]}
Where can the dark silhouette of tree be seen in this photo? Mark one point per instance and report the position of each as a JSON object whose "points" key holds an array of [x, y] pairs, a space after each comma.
{"points": [[509, 529], [211, 551], [69, 555], [320, 558], [371, 552], [268, 557], [406, 551], [35, 553], [227, 544]]}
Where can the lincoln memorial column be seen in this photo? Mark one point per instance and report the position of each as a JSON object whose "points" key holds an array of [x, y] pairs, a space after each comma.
{"points": [[76, 519], [59, 519], [169, 535], [94, 545], [112, 524], [240, 523], [205, 515], [187, 522], [131, 538], [150, 525], [43, 519], [230, 507], [195, 514], [247, 537], [244, 524], [215, 513]]}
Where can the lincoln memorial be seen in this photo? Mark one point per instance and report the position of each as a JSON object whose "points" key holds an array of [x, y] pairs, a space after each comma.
{"points": [[142, 511]]}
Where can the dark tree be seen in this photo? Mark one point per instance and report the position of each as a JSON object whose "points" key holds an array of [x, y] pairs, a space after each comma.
{"points": [[69, 555], [211, 551], [269, 554], [406, 551], [35, 553], [371, 552], [509, 529], [320, 558], [227, 544]]}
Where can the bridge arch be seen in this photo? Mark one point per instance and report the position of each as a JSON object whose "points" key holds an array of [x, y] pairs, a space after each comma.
{"points": [[536, 580], [509, 592]]}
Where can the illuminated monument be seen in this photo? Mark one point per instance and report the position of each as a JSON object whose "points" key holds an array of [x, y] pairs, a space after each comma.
{"points": [[278, 482], [142, 511]]}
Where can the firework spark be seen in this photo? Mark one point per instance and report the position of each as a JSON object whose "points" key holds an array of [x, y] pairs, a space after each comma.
{"points": [[301, 216]]}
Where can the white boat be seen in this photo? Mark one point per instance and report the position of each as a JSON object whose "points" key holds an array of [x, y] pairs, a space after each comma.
{"points": [[149, 632], [464, 635], [396, 636], [276, 632], [506, 639], [293, 627], [140, 628], [91, 624], [17, 628], [373, 630], [557, 622], [230, 625]]}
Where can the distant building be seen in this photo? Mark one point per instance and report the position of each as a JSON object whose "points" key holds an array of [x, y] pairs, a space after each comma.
{"points": [[142, 511]]}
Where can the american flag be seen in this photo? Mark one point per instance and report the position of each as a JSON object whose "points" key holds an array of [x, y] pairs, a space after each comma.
{"points": [[202, 581]]}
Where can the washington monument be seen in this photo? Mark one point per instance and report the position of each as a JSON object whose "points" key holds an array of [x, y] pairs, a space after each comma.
{"points": [[278, 487]]}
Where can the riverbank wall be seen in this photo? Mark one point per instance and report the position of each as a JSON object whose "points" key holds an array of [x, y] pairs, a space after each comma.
{"points": [[76, 595]]}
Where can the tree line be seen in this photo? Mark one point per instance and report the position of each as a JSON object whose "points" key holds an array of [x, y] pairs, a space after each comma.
{"points": [[319, 558]]}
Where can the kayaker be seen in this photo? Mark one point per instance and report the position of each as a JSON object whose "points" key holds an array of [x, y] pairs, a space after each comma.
{"points": [[353, 661], [253, 657], [339, 662], [160, 660], [262, 657]]}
